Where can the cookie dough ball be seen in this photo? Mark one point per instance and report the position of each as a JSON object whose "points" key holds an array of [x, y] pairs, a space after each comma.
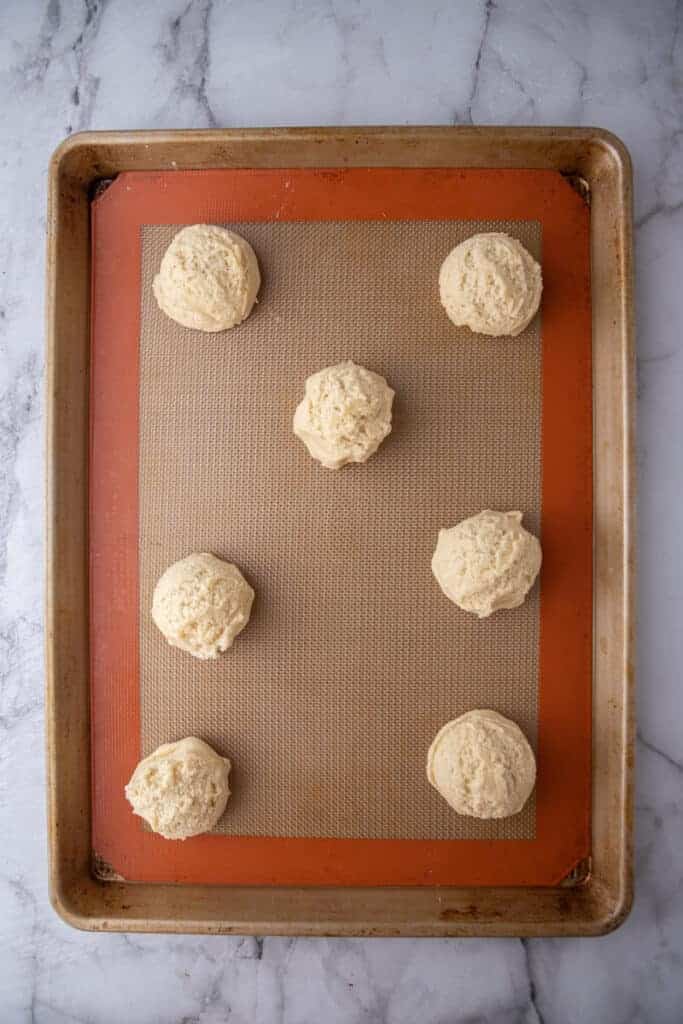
{"points": [[181, 789], [208, 279], [200, 604], [345, 414], [482, 765], [487, 562], [491, 284]]}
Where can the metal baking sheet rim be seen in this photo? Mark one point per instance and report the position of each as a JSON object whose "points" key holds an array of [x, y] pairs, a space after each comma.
{"points": [[602, 899]]}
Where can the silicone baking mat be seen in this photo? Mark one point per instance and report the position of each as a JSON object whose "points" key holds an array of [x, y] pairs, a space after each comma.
{"points": [[353, 658]]}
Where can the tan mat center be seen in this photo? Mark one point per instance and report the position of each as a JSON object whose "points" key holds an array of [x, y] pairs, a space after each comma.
{"points": [[353, 658]]}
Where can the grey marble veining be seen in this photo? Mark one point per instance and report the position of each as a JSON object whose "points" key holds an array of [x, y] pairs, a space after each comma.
{"points": [[67, 65]]}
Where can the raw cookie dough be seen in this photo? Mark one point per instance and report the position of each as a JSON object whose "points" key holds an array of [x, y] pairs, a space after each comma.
{"points": [[208, 278], [181, 789], [345, 414], [487, 562], [491, 284], [201, 603], [482, 765]]}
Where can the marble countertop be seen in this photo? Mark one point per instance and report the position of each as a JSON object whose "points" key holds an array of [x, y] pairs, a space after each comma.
{"points": [[67, 65]]}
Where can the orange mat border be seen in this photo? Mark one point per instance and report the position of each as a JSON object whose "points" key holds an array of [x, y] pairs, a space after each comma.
{"points": [[565, 662]]}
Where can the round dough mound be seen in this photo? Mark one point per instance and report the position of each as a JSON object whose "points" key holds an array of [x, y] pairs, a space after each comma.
{"points": [[482, 765], [345, 414], [208, 278], [491, 284], [487, 562], [181, 789], [200, 604]]}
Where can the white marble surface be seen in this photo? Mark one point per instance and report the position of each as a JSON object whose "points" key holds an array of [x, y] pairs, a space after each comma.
{"points": [[66, 65]]}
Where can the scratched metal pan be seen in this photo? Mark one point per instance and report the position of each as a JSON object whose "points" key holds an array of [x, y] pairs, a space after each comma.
{"points": [[598, 899]]}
